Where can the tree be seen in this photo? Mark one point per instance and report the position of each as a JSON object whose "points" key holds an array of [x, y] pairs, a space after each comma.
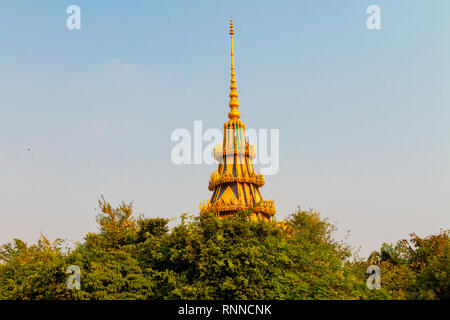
{"points": [[415, 268], [205, 257], [33, 272]]}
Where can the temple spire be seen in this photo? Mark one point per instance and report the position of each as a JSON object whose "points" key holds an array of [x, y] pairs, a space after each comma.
{"points": [[234, 103], [234, 184]]}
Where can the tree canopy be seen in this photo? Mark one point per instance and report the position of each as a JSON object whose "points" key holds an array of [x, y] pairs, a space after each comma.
{"points": [[205, 257]]}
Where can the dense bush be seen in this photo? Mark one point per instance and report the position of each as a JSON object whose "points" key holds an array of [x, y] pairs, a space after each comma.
{"points": [[209, 258]]}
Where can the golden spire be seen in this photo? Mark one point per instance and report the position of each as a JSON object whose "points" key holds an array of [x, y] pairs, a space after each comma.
{"points": [[234, 184], [234, 103]]}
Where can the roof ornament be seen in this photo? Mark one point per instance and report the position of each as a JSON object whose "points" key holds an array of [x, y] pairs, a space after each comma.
{"points": [[234, 103]]}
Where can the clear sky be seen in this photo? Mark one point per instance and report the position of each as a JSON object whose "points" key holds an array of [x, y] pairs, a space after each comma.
{"points": [[363, 114]]}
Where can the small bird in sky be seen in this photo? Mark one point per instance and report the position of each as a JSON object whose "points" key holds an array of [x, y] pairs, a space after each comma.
{"points": [[28, 149]]}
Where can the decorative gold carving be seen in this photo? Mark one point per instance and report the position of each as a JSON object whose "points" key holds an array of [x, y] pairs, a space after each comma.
{"points": [[228, 177], [229, 149], [235, 170], [226, 206], [234, 103]]}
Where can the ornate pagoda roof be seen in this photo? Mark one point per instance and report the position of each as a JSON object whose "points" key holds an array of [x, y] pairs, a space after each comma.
{"points": [[235, 185]]}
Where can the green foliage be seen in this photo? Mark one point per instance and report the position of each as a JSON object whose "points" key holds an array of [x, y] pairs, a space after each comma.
{"points": [[417, 268], [35, 272], [205, 257]]}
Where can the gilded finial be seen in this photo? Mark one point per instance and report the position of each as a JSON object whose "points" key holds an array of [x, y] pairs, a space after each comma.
{"points": [[234, 103], [235, 184], [231, 25]]}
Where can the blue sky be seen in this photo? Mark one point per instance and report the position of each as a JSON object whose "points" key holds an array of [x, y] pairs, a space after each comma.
{"points": [[363, 115]]}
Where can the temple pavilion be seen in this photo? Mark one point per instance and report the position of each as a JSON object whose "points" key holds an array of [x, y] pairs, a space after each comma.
{"points": [[234, 184]]}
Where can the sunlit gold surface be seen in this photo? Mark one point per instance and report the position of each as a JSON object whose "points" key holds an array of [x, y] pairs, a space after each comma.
{"points": [[234, 103], [235, 184]]}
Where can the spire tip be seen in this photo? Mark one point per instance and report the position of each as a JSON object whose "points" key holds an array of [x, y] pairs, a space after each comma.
{"points": [[234, 104], [231, 25]]}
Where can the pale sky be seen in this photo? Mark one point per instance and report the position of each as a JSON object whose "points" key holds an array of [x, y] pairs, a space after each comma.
{"points": [[363, 114]]}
